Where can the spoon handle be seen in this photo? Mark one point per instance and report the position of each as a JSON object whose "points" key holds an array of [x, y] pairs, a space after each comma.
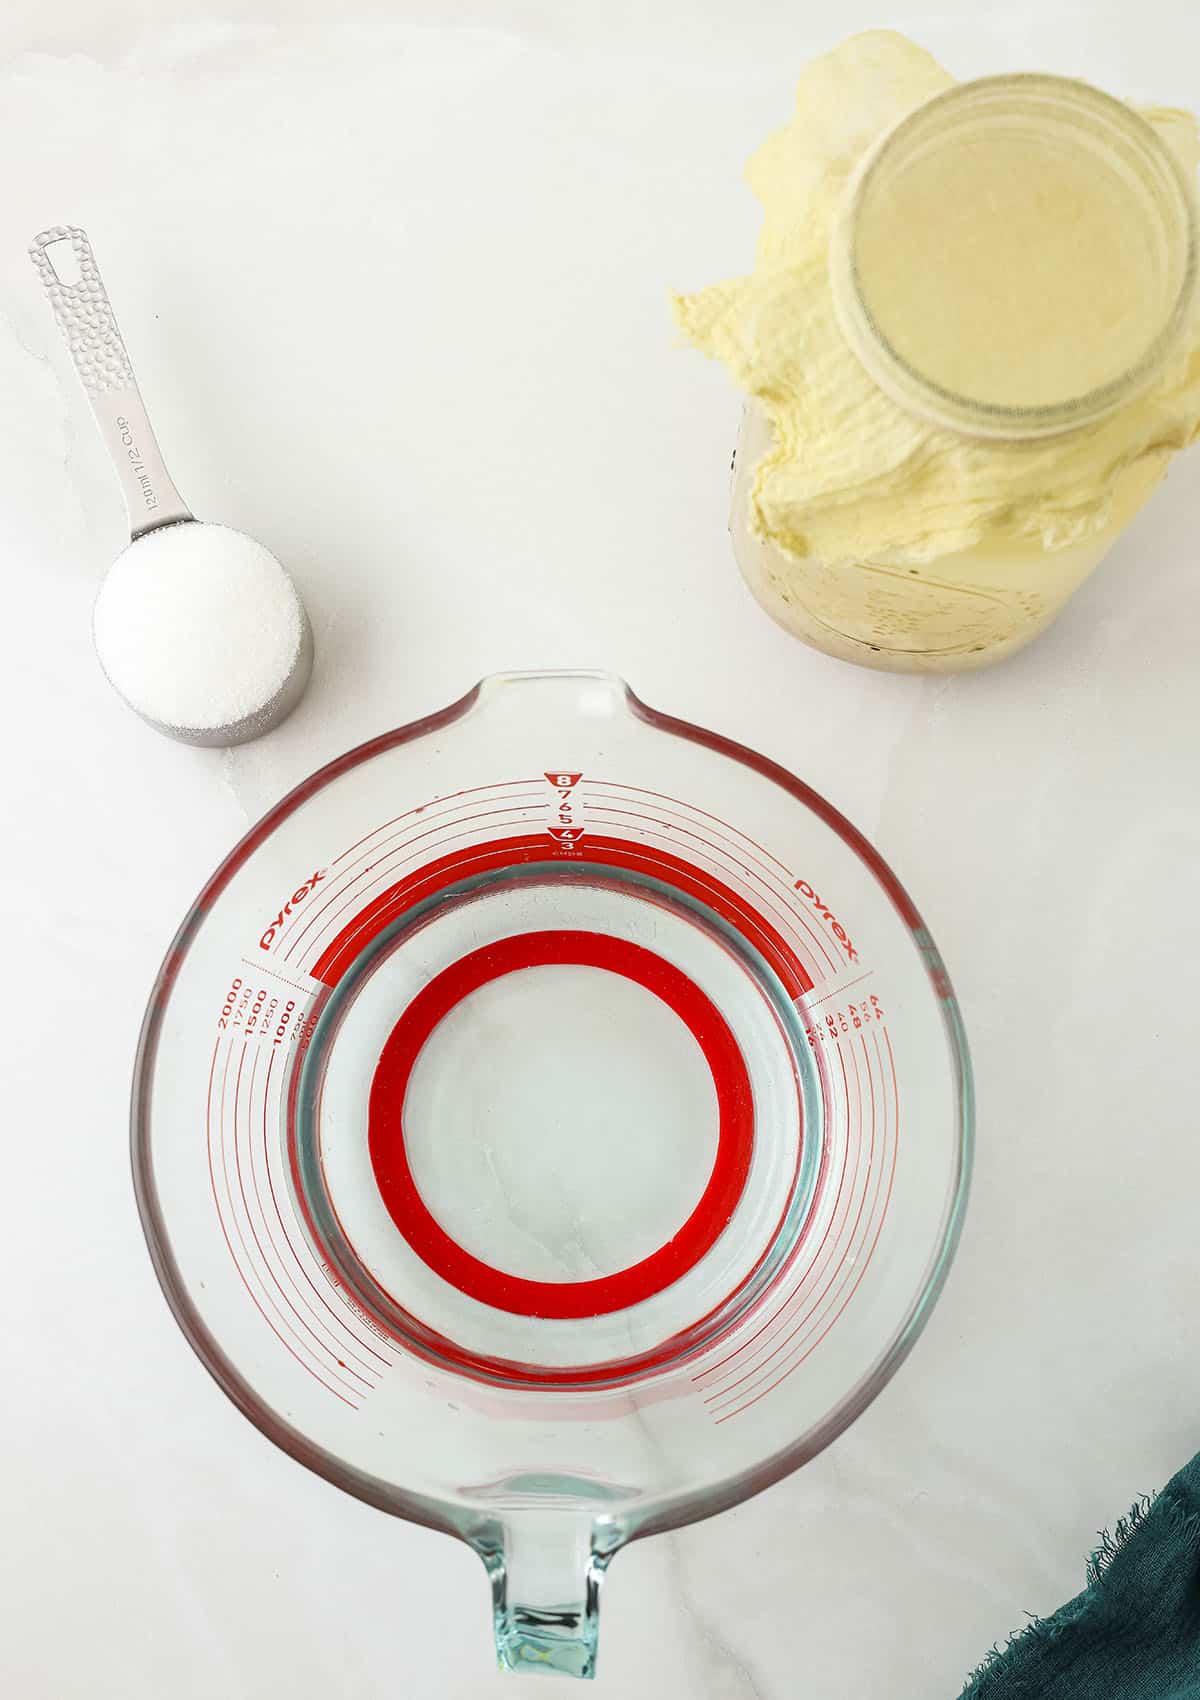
{"points": [[67, 267]]}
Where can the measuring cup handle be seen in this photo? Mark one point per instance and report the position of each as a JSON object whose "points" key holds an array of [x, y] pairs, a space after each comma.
{"points": [[77, 294], [546, 1568]]}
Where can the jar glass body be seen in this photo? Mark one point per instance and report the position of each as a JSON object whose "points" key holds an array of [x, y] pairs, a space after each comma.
{"points": [[967, 352]]}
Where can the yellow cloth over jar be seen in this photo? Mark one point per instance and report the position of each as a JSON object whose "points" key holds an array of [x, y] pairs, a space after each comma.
{"points": [[850, 474]]}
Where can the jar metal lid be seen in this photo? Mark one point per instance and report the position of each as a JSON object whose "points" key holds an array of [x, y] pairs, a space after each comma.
{"points": [[1068, 124]]}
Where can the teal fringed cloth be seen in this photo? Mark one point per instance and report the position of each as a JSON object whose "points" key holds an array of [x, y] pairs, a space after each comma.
{"points": [[1134, 1632]]}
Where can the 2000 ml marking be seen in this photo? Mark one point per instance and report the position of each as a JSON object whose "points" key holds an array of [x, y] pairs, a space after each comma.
{"points": [[826, 913], [297, 897]]}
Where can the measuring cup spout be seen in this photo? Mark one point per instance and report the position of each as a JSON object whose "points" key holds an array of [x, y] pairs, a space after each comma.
{"points": [[546, 1568]]}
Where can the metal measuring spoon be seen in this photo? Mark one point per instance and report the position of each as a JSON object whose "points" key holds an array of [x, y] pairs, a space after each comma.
{"points": [[67, 267]]}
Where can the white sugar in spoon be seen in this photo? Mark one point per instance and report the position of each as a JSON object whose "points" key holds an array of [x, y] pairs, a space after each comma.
{"points": [[197, 626]]}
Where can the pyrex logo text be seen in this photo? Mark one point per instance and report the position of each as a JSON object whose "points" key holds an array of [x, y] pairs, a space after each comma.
{"points": [[298, 896], [827, 914]]}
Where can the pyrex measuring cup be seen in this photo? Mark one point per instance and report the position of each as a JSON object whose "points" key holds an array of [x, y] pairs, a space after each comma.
{"points": [[552, 1125]]}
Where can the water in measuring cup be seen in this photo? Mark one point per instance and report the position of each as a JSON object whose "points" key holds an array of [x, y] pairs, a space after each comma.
{"points": [[583, 1113]]}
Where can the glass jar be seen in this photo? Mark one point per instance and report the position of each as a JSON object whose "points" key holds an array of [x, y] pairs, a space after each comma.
{"points": [[1014, 260]]}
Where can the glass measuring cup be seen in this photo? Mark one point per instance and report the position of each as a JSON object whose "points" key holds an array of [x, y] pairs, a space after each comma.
{"points": [[552, 1125]]}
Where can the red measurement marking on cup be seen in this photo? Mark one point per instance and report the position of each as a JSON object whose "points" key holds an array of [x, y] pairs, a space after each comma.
{"points": [[565, 812], [810, 1292], [656, 813], [787, 781], [834, 1026], [266, 968], [841, 1121], [287, 1307], [672, 871], [562, 1299], [392, 846], [692, 812], [799, 1356], [252, 1288], [381, 848], [272, 1261], [379, 834], [675, 818], [805, 1318], [381, 872], [282, 1152], [840, 991], [816, 958], [350, 1352]]}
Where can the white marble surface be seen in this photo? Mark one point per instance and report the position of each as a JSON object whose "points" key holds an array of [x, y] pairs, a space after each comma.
{"points": [[393, 276]]}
